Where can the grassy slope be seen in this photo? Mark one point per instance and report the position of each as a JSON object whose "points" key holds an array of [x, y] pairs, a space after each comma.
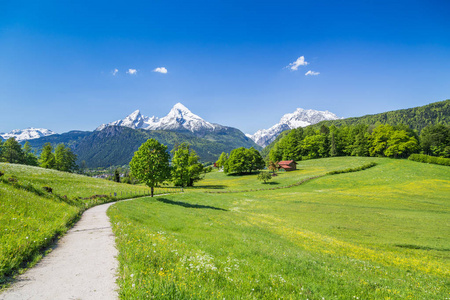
{"points": [[378, 233], [29, 221], [305, 169], [71, 185]]}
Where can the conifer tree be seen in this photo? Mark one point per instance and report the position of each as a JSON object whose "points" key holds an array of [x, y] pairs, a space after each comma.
{"points": [[12, 152], [47, 159]]}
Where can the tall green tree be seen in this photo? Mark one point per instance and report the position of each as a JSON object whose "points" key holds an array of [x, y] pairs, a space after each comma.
{"points": [[12, 152], [30, 157], [379, 139], [256, 160], [150, 164], [435, 140], [64, 159], [243, 160], [47, 158], [222, 160], [186, 168], [333, 151], [276, 154], [400, 144]]}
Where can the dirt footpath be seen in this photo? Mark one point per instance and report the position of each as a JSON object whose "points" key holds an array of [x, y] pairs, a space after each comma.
{"points": [[82, 266]]}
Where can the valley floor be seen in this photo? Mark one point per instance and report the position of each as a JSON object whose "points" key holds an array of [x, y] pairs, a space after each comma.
{"points": [[381, 233]]}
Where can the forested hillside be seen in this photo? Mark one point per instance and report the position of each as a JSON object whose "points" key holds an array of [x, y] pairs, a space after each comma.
{"points": [[415, 118], [116, 145]]}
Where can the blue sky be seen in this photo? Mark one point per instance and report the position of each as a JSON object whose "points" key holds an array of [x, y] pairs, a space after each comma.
{"points": [[227, 61]]}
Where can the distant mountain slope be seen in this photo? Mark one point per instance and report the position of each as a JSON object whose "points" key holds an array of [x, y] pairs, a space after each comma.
{"points": [[27, 134], [299, 118], [70, 138], [115, 145], [416, 118]]}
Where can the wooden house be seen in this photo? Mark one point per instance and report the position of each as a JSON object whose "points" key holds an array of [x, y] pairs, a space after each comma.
{"points": [[288, 165]]}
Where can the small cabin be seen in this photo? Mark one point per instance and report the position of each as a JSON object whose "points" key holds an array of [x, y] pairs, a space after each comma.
{"points": [[287, 165]]}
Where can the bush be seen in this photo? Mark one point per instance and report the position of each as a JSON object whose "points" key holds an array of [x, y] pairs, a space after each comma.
{"points": [[264, 176], [430, 159]]}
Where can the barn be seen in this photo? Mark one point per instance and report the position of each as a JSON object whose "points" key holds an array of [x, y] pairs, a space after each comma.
{"points": [[288, 165]]}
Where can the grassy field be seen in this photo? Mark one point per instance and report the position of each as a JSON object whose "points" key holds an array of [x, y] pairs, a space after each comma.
{"points": [[379, 233], [218, 181], [31, 219], [73, 185]]}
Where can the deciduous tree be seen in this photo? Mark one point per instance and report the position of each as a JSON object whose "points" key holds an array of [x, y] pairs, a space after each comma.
{"points": [[150, 164]]}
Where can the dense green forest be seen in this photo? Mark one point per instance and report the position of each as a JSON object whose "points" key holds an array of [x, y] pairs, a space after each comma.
{"points": [[415, 118], [397, 141]]}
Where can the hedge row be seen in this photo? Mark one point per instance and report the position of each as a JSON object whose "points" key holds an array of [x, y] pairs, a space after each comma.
{"points": [[349, 170], [430, 159], [266, 189]]}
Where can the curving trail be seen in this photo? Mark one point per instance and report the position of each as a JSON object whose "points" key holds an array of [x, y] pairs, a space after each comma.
{"points": [[83, 264]]}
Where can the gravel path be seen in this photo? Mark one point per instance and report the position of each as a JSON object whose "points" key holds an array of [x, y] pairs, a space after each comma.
{"points": [[82, 266]]}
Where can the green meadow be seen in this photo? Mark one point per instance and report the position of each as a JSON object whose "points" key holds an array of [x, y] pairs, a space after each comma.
{"points": [[380, 233], [31, 219]]}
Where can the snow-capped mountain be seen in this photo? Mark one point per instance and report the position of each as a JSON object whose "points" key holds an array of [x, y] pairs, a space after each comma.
{"points": [[179, 118], [27, 134], [299, 118]]}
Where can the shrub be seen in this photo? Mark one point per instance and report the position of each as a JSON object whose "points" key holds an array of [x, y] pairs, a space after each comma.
{"points": [[264, 176], [430, 159]]}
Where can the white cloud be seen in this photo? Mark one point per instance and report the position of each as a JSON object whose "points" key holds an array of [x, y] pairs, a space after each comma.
{"points": [[160, 70], [132, 71], [115, 72], [312, 73], [299, 62]]}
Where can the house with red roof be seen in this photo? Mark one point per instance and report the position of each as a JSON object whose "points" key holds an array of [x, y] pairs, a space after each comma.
{"points": [[287, 165]]}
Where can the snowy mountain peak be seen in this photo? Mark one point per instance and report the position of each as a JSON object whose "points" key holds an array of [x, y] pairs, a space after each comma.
{"points": [[180, 107], [27, 134], [135, 114], [299, 118], [179, 118]]}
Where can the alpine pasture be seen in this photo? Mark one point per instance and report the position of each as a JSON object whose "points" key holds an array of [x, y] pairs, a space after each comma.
{"points": [[381, 233], [378, 233]]}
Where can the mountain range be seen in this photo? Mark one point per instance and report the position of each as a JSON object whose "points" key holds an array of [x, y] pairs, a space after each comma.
{"points": [[27, 134], [299, 118], [180, 118], [115, 143]]}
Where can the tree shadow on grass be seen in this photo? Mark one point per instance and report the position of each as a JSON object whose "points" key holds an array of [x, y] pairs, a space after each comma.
{"points": [[188, 205], [271, 183]]}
